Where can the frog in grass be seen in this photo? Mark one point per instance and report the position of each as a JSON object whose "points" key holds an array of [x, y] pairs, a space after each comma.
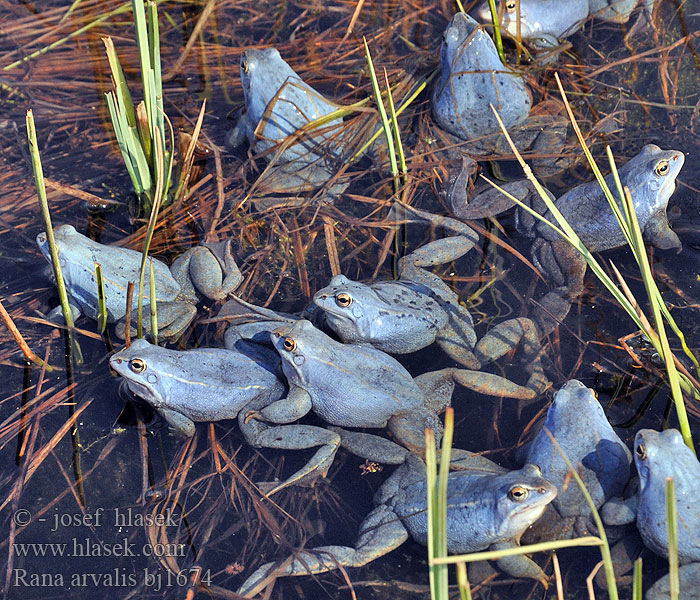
{"points": [[472, 80], [279, 107], [578, 424], [650, 177], [214, 384], [418, 308], [488, 508], [544, 22], [209, 269], [659, 456]]}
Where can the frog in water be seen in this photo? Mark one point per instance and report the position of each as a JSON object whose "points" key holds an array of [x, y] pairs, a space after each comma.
{"points": [[651, 179], [212, 384], [544, 22], [410, 313], [488, 508], [472, 77], [360, 386], [209, 269], [578, 423], [657, 456], [279, 106]]}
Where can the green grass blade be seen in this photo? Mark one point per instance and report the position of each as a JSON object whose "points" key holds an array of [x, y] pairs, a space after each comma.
{"points": [[149, 236], [101, 305], [382, 113], [44, 204], [154, 54], [540, 547], [431, 478], [496, 31], [655, 300], [604, 547], [396, 132], [412, 94], [120, 85], [152, 300], [672, 538], [637, 580], [465, 592], [441, 572], [51, 241]]}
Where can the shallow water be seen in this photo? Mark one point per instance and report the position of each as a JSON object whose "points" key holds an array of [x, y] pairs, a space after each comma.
{"points": [[212, 519]]}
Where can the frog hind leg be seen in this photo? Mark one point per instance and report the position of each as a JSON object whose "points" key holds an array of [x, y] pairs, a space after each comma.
{"points": [[457, 337], [371, 447], [209, 269], [293, 437], [409, 428], [173, 318], [565, 267], [488, 384], [380, 533], [509, 335]]}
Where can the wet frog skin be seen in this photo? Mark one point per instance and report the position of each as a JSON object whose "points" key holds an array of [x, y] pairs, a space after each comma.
{"points": [[544, 22], [488, 508], [651, 178], [359, 386], [208, 269], [213, 384], [657, 456], [203, 384], [278, 103], [418, 309], [472, 76], [578, 423]]}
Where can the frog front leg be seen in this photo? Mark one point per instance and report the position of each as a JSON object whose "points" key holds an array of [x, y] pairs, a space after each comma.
{"points": [[287, 410], [380, 533]]}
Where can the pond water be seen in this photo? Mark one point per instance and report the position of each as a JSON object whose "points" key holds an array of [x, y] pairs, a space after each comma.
{"points": [[160, 508]]}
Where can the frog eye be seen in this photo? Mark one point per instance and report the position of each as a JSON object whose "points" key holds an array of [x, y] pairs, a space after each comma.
{"points": [[244, 65], [343, 300], [661, 168], [518, 493], [510, 6], [289, 344], [641, 451], [137, 365]]}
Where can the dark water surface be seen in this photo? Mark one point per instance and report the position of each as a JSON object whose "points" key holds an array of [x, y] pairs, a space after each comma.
{"points": [[200, 510]]}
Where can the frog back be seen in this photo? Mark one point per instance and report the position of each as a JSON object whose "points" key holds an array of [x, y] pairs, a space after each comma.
{"points": [[472, 77]]}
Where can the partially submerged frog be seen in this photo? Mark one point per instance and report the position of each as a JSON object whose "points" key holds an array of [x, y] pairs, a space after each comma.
{"points": [[279, 106], [578, 423], [410, 313], [488, 508], [651, 179], [544, 22], [472, 77], [658, 456], [360, 386], [213, 384], [209, 269]]}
